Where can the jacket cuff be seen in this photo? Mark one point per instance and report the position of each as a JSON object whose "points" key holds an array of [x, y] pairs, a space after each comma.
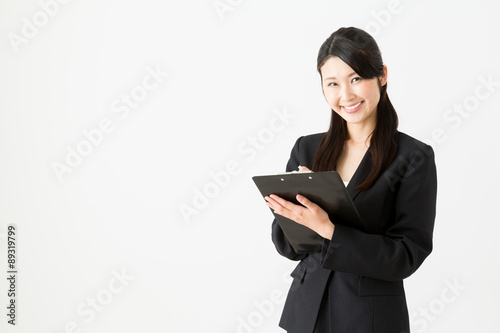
{"points": [[330, 246]]}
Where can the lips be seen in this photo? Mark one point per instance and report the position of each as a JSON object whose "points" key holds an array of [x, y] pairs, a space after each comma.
{"points": [[353, 107]]}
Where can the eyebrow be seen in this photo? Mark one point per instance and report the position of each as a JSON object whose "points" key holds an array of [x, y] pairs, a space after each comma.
{"points": [[334, 78]]}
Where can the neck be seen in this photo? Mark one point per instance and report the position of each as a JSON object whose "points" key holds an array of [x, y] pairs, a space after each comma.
{"points": [[359, 134]]}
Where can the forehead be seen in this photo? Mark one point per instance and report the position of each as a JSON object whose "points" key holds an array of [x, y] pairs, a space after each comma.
{"points": [[334, 67]]}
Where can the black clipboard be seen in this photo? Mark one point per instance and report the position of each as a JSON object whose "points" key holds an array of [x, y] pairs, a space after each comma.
{"points": [[326, 189]]}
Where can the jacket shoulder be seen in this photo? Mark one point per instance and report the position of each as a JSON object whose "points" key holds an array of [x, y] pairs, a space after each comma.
{"points": [[304, 151], [311, 140], [410, 145]]}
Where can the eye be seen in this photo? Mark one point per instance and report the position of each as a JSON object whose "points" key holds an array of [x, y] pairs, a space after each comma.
{"points": [[331, 84], [356, 79]]}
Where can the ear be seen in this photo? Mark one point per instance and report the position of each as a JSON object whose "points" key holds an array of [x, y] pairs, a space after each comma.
{"points": [[383, 79]]}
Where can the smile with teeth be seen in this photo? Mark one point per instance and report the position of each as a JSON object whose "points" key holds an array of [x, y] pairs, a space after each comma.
{"points": [[352, 106]]}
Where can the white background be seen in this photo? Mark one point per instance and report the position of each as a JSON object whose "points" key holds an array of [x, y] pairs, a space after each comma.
{"points": [[118, 210]]}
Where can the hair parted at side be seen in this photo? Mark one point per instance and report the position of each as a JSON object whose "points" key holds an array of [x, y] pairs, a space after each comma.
{"points": [[360, 51]]}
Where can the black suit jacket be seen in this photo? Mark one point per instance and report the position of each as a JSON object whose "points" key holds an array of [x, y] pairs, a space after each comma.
{"points": [[361, 271]]}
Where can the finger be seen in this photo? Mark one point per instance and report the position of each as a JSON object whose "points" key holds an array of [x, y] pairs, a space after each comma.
{"points": [[271, 203], [306, 202], [303, 168], [270, 200], [277, 207], [285, 203]]}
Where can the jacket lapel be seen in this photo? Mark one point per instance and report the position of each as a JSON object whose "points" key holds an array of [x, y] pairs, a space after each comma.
{"points": [[360, 174]]}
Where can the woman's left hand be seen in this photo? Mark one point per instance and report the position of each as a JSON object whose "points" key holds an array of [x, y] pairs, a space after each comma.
{"points": [[309, 215]]}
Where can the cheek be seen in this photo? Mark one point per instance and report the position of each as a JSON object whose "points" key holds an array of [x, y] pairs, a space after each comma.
{"points": [[369, 92], [332, 99]]}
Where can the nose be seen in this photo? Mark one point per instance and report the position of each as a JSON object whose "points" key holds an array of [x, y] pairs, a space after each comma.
{"points": [[346, 94]]}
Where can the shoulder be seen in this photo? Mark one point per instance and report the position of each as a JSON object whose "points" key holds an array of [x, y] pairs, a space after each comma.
{"points": [[304, 151], [310, 141], [408, 145], [412, 155]]}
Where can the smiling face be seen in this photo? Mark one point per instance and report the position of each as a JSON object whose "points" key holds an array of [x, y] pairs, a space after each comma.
{"points": [[354, 98]]}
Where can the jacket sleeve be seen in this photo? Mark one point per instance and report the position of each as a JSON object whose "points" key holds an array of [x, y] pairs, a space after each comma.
{"points": [[280, 242], [398, 252]]}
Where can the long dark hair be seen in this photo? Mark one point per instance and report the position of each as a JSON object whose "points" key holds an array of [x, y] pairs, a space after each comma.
{"points": [[360, 51]]}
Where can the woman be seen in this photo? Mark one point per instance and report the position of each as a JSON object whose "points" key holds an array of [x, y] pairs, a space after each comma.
{"points": [[355, 282]]}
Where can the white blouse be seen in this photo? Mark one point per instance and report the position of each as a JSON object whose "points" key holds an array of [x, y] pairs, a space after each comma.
{"points": [[346, 183]]}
